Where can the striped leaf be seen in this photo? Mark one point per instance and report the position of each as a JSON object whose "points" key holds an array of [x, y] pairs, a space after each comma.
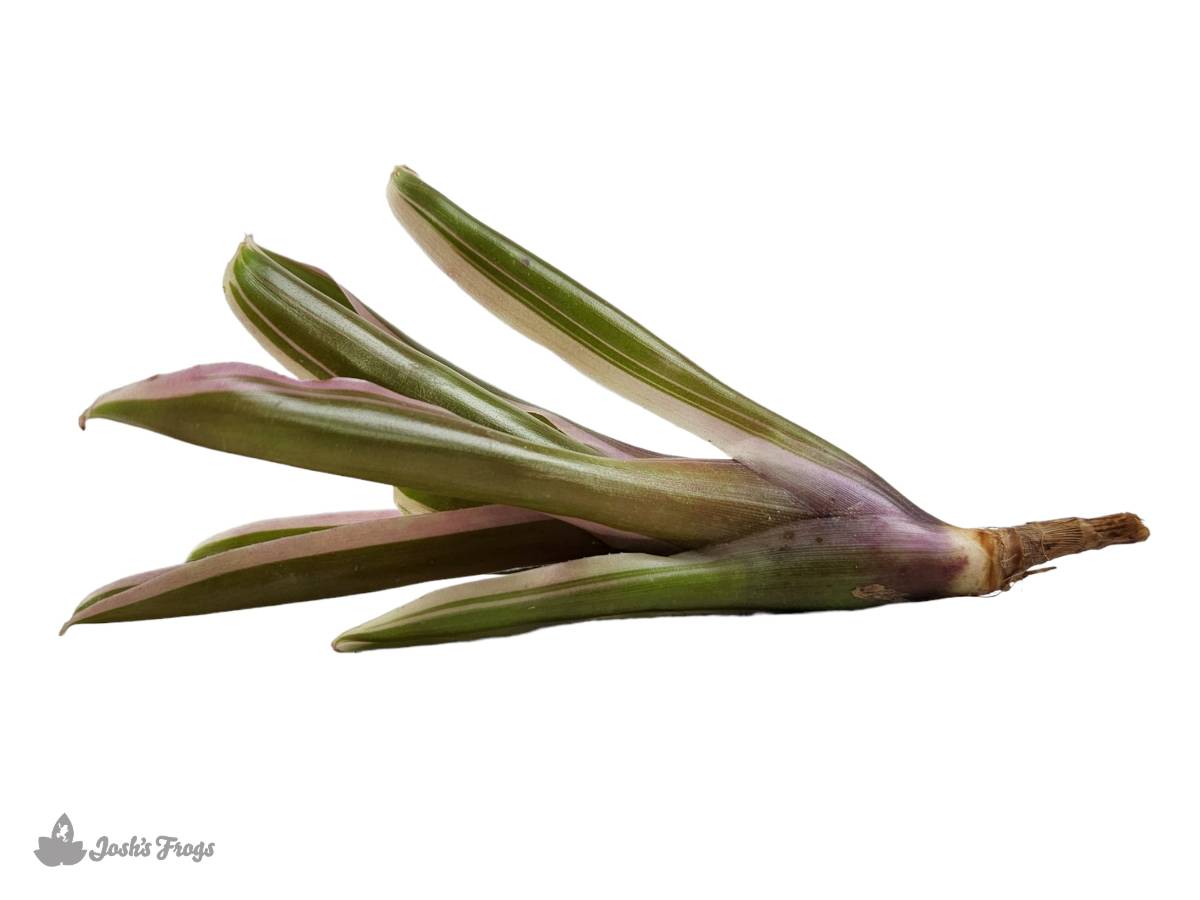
{"points": [[818, 564], [311, 324], [598, 339], [368, 553], [318, 329], [271, 529], [357, 429]]}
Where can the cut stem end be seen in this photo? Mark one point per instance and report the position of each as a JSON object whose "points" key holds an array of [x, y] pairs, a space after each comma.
{"points": [[1034, 543]]}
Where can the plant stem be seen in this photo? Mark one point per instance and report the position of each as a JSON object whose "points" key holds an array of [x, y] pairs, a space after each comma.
{"points": [[1016, 550]]}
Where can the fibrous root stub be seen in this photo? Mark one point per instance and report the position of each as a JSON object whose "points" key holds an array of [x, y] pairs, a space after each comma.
{"points": [[1025, 546]]}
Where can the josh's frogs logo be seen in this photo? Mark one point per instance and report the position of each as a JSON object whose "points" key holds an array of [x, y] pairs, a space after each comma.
{"points": [[61, 848]]}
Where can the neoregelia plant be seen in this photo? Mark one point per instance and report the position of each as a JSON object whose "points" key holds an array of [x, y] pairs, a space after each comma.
{"points": [[588, 527]]}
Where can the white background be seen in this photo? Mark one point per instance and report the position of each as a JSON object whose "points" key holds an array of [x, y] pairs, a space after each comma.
{"points": [[957, 239]]}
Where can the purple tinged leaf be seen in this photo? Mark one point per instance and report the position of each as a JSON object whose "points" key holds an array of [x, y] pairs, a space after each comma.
{"points": [[371, 554], [319, 329], [121, 584], [595, 337], [817, 564], [271, 529], [358, 429]]}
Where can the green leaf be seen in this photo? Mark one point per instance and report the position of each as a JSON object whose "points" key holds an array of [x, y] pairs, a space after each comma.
{"points": [[318, 329], [819, 564], [370, 554], [271, 529], [309, 322], [324, 284], [598, 339], [357, 429]]}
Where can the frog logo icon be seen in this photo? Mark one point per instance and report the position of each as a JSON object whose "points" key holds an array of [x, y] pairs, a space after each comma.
{"points": [[61, 848]]}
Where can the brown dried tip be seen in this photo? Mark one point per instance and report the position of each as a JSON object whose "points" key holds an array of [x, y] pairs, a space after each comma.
{"points": [[1025, 546]]}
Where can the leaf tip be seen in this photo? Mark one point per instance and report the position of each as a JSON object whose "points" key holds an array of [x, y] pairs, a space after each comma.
{"points": [[90, 412], [245, 247], [249, 249], [344, 643], [403, 179]]}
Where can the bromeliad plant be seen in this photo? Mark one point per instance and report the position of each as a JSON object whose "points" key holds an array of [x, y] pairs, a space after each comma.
{"points": [[585, 526]]}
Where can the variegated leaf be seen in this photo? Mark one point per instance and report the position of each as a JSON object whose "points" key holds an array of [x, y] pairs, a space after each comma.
{"points": [[598, 339], [358, 429]]}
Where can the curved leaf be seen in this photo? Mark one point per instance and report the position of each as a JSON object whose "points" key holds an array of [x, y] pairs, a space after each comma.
{"points": [[308, 321], [272, 529], [361, 430], [318, 329], [369, 555], [818, 564], [601, 341]]}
